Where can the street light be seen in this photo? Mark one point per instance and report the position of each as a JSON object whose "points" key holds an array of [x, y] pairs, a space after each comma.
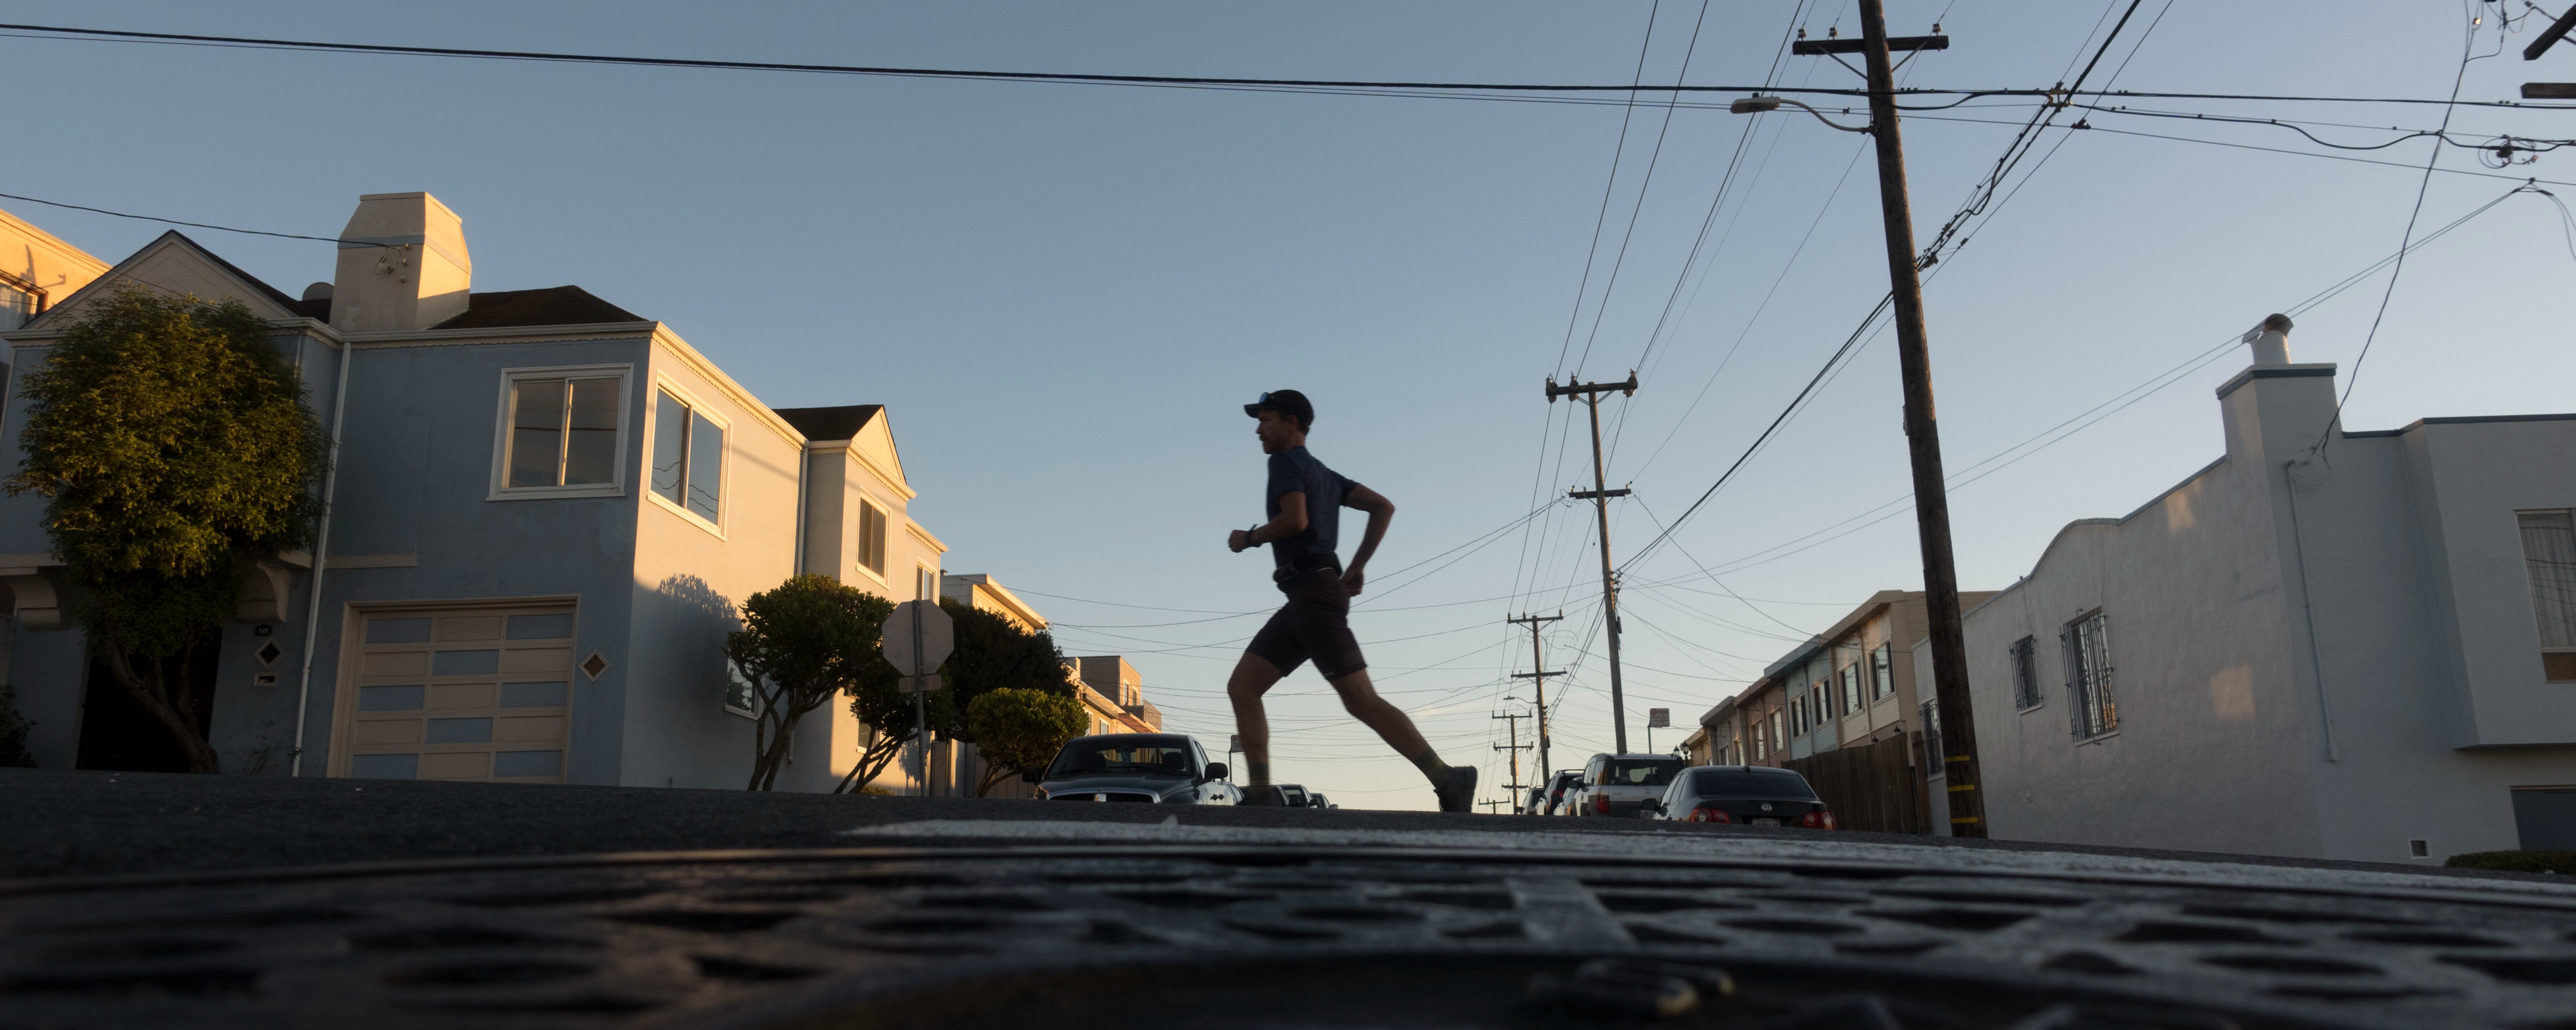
{"points": [[1758, 104]]}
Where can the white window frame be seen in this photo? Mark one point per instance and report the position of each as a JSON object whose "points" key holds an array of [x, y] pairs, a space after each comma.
{"points": [[724, 476], [922, 572], [501, 490], [1882, 672], [859, 542]]}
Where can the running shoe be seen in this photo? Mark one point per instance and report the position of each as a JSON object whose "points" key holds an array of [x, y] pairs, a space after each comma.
{"points": [[1458, 791]]}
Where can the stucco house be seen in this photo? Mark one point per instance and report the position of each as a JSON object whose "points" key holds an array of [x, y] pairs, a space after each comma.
{"points": [[544, 513], [2327, 643]]}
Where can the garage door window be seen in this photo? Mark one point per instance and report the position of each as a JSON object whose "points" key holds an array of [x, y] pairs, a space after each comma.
{"points": [[475, 694]]}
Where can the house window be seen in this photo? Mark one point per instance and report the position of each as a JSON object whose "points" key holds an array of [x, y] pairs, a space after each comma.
{"points": [[1776, 735], [1882, 672], [2025, 671], [925, 583], [688, 456], [872, 538], [1851, 688], [2549, 552], [561, 433], [2088, 675]]}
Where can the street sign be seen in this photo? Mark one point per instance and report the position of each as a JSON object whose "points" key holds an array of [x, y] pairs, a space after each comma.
{"points": [[1658, 718], [918, 637], [916, 684]]}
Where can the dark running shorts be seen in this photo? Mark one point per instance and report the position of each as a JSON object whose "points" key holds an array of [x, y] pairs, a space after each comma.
{"points": [[1314, 624]]}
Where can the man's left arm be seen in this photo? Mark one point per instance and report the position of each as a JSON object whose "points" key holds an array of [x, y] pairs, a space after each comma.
{"points": [[1380, 512]]}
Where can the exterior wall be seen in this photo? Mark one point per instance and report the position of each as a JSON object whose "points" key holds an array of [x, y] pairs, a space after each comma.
{"points": [[416, 468], [2418, 706], [687, 588], [35, 258]]}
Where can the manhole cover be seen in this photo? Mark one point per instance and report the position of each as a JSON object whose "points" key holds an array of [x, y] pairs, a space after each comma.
{"points": [[1269, 937]]}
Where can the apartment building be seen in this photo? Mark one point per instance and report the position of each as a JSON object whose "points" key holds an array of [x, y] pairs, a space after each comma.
{"points": [[2327, 643], [545, 513]]}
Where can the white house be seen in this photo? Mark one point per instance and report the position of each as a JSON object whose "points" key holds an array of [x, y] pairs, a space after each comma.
{"points": [[2329, 644]]}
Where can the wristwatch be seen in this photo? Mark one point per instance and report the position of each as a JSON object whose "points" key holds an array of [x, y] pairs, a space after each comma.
{"points": [[1249, 533]]}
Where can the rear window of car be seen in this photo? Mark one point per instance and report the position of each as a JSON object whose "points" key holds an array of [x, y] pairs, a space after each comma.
{"points": [[1751, 783], [1130, 755], [1642, 772]]}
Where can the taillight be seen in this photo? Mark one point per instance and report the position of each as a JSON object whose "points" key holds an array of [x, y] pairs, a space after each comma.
{"points": [[1819, 819], [1601, 804], [1710, 815]]}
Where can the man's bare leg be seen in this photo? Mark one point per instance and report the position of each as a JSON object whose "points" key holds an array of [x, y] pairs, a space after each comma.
{"points": [[1360, 698], [1253, 677]]}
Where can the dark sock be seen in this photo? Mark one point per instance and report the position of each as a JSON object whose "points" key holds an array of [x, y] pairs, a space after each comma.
{"points": [[1256, 774], [1429, 762]]}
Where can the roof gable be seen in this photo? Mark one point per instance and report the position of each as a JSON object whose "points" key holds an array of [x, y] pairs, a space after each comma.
{"points": [[865, 426], [176, 265]]}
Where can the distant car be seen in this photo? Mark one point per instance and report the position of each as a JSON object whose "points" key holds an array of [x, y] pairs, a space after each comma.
{"points": [[1743, 795], [1293, 795], [1148, 768], [1552, 796], [1616, 785], [1318, 801]]}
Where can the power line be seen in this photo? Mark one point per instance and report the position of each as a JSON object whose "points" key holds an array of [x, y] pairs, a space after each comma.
{"points": [[116, 35], [199, 225], [1644, 185]]}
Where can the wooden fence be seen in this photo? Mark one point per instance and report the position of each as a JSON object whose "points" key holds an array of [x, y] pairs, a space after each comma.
{"points": [[1871, 787]]}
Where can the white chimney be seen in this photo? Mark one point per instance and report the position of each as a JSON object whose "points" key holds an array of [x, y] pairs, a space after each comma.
{"points": [[403, 265], [2271, 341]]}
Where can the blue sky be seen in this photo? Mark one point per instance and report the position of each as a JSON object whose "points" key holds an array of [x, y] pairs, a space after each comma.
{"points": [[1065, 292]]}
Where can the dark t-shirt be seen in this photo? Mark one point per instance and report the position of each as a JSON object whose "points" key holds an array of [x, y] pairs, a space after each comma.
{"points": [[1296, 471]]}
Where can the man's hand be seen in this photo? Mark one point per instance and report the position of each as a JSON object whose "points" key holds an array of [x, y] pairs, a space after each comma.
{"points": [[1238, 540], [1351, 580]]}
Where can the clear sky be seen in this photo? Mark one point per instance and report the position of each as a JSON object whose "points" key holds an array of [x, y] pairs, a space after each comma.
{"points": [[1064, 293]]}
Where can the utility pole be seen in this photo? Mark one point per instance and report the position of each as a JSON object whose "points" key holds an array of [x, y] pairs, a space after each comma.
{"points": [[1513, 719], [1600, 495], [1539, 674], [1923, 437]]}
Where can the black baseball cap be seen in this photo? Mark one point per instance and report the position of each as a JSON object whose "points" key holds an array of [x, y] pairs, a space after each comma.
{"points": [[1285, 402]]}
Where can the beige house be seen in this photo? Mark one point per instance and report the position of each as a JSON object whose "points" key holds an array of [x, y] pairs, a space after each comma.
{"points": [[1855, 683], [37, 271]]}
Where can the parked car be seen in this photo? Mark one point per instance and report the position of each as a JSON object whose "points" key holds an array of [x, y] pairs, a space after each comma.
{"points": [[1150, 768], [1744, 795], [1293, 795], [1614, 785], [1319, 801], [1551, 797]]}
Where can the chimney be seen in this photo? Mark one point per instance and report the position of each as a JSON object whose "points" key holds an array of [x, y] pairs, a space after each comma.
{"points": [[2271, 341], [403, 265]]}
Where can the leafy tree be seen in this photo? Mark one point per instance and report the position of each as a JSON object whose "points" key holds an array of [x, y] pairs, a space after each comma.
{"points": [[992, 653], [803, 642], [174, 445], [13, 732], [1018, 730]]}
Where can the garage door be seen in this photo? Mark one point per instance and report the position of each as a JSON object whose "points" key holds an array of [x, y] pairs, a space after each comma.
{"points": [[460, 694]]}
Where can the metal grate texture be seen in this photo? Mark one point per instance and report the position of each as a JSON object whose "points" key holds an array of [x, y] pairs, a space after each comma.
{"points": [[1264, 937]]}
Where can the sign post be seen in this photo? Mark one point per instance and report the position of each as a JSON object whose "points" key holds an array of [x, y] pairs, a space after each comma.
{"points": [[917, 638]]}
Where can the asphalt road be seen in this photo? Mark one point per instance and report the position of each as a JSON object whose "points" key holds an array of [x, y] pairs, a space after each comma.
{"points": [[57, 824]]}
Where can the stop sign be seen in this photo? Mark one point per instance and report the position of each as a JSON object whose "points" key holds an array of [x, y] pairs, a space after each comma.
{"points": [[918, 637]]}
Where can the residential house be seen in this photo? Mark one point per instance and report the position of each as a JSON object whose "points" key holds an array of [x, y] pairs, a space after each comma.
{"points": [[1115, 694], [37, 271], [544, 514], [2327, 643], [1850, 688]]}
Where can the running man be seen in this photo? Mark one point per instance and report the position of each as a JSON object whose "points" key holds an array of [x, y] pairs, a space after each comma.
{"points": [[1304, 502]]}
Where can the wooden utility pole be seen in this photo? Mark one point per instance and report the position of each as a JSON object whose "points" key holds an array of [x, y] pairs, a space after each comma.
{"points": [[1513, 719], [1923, 441], [1600, 495], [1539, 674]]}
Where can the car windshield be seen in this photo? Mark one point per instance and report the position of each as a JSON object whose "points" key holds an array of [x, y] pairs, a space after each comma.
{"points": [[1751, 783], [1128, 755], [1641, 772]]}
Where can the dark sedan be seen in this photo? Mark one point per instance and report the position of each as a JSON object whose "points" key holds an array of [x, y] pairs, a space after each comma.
{"points": [[1743, 795], [1147, 768]]}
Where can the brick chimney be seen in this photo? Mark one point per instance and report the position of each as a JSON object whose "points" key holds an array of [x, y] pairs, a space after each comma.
{"points": [[403, 265]]}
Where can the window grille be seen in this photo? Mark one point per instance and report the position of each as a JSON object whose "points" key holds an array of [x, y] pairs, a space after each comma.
{"points": [[2088, 675], [2025, 665], [1882, 671]]}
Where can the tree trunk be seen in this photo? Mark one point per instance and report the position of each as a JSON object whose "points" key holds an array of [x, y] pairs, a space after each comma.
{"points": [[873, 762], [993, 774], [154, 694]]}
